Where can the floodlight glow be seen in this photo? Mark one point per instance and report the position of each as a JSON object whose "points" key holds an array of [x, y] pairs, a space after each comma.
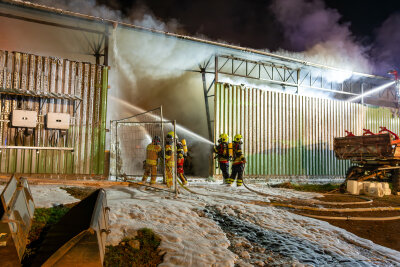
{"points": [[370, 92]]}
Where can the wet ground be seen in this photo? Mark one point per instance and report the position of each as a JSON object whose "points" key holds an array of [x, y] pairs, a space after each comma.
{"points": [[289, 248]]}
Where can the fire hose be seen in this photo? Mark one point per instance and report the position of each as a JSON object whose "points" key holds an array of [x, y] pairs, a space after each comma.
{"points": [[348, 218], [189, 190]]}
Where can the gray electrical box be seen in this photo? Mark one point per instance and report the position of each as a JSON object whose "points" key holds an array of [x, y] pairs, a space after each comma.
{"points": [[59, 121], [24, 118]]}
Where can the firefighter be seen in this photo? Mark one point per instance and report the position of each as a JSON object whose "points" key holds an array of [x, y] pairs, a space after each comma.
{"points": [[153, 152], [239, 161], [169, 158], [222, 151], [180, 161]]}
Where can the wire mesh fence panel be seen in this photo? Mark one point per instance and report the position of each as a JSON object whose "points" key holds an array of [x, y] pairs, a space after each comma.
{"points": [[130, 140]]}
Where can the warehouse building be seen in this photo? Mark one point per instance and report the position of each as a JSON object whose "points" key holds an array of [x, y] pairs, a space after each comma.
{"points": [[86, 71]]}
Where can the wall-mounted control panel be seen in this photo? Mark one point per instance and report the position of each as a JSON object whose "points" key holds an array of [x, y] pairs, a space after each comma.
{"points": [[59, 121], [24, 118]]}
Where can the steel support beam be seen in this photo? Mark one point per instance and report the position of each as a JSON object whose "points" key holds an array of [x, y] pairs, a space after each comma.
{"points": [[96, 54], [106, 45], [205, 90], [49, 23]]}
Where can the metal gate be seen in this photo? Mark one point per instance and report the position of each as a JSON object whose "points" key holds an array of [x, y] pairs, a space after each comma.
{"points": [[129, 139]]}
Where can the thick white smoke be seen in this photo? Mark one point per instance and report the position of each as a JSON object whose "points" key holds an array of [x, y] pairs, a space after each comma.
{"points": [[316, 33], [386, 48]]}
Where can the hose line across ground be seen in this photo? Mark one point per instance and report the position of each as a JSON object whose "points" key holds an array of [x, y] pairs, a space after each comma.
{"points": [[191, 191], [332, 209], [350, 218], [325, 209]]}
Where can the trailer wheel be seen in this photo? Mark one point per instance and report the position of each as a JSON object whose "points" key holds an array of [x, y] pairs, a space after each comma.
{"points": [[354, 172], [396, 180]]}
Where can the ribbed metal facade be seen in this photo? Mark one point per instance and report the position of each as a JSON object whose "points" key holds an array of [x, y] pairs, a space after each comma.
{"points": [[45, 84], [292, 135]]}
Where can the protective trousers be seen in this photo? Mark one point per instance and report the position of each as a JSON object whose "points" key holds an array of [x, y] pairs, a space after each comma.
{"points": [[169, 173], [182, 177], [225, 170], [237, 170], [150, 170]]}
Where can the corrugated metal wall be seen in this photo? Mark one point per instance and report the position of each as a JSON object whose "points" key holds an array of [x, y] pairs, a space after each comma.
{"points": [[55, 82], [292, 135]]}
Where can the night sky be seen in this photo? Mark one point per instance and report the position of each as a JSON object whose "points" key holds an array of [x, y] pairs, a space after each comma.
{"points": [[250, 23]]}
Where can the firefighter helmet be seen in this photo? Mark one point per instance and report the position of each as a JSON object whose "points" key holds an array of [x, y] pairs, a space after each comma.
{"points": [[238, 138], [224, 138], [156, 140], [179, 150], [179, 146], [171, 135]]}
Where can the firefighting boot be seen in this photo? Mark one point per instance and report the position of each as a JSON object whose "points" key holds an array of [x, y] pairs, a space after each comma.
{"points": [[153, 179], [239, 182]]}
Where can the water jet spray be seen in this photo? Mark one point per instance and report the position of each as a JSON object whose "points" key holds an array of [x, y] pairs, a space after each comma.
{"points": [[179, 127], [372, 91]]}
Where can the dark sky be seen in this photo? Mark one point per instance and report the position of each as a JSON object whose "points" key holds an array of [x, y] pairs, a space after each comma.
{"points": [[250, 23]]}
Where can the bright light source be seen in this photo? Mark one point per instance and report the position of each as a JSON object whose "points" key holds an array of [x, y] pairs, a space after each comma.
{"points": [[373, 91], [337, 76]]}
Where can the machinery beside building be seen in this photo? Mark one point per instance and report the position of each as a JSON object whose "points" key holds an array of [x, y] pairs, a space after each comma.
{"points": [[373, 156]]}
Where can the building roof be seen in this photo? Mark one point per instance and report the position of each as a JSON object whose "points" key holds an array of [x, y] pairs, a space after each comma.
{"points": [[114, 23]]}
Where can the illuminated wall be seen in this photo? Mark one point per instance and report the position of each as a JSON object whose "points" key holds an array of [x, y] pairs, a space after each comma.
{"points": [[292, 135], [46, 84]]}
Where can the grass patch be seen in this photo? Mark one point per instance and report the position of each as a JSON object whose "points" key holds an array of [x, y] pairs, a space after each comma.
{"points": [[43, 220], [79, 192], [320, 188], [129, 253]]}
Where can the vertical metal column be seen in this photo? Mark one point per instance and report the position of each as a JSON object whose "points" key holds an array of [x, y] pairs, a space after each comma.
{"points": [[216, 69], [163, 142], [175, 163], [362, 93], [106, 45], [203, 76]]}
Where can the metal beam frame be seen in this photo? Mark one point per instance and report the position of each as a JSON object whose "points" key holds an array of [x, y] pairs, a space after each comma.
{"points": [[99, 48], [308, 77], [206, 91]]}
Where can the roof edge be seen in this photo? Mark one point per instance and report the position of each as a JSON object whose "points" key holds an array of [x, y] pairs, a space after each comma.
{"points": [[179, 36]]}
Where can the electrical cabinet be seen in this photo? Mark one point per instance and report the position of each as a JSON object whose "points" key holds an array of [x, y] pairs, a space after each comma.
{"points": [[59, 121], [24, 118]]}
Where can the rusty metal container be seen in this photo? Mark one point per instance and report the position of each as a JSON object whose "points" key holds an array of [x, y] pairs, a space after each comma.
{"points": [[78, 239], [16, 213], [364, 147]]}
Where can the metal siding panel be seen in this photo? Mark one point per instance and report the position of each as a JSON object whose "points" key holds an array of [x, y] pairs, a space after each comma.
{"points": [[3, 73], [292, 134]]}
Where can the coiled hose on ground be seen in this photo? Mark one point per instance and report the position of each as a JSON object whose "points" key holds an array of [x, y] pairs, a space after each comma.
{"points": [[348, 218]]}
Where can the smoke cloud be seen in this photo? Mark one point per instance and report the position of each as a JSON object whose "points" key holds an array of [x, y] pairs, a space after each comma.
{"points": [[315, 32], [386, 49]]}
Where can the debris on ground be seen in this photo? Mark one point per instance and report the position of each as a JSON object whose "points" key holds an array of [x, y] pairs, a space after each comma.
{"points": [[43, 220], [79, 192], [138, 251], [320, 188]]}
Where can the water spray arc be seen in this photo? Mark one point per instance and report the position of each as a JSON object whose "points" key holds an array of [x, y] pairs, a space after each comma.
{"points": [[372, 91], [179, 127]]}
